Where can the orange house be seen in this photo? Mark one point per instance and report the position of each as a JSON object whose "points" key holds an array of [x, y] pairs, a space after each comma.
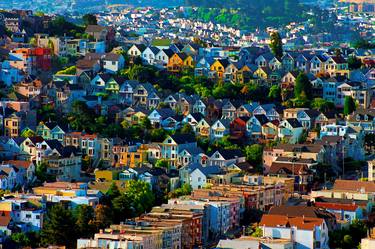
{"points": [[178, 61]]}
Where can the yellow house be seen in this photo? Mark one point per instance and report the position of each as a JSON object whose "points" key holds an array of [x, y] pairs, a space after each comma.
{"points": [[12, 126], [189, 62], [243, 75], [203, 128], [219, 67], [130, 155], [137, 117], [261, 73], [177, 62], [107, 175]]}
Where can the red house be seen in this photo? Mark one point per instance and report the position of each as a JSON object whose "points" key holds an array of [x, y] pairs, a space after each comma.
{"points": [[43, 58], [238, 127]]}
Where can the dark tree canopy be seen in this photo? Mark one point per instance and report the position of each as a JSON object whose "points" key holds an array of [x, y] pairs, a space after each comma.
{"points": [[276, 45], [349, 105]]}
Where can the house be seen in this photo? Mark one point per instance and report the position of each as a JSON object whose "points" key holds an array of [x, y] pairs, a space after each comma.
{"points": [[270, 130], [290, 129], [191, 155], [364, 118], [51, 130], [174, 144], [162, 57], [307, 118], [197, 176], [26, 169], [225, 158], [246, 110], [203, 128], [8, 177], [303, 176], [254, 125], [193, 119], [304, 232], [219, 129], [113, 63], [158, 115], [271, 111], [238, 127], [136, 50], [100, 33], [141, 94], [228, 110], [343, 209], [10, 75], [219, 67], [306, 211], [149, 55], [179, 61]]}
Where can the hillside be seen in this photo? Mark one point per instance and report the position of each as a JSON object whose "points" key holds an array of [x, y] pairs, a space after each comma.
{"points": [[248, 14]]}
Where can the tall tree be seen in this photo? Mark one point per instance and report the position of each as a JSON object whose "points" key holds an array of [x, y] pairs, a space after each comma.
{"points": [[89, 19], [59, 227], [276, 44], [254, 155], [349, 105], [103, 216], [85, 221], [303, 85]]}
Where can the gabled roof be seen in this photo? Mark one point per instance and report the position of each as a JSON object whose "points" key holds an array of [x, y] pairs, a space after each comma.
{"points": [[183, 138], [288, 168], [293, 122], [168, 52], [19, 163], [352, 185], [303, 223], [229, 154], [261, 118], [300, 211]]}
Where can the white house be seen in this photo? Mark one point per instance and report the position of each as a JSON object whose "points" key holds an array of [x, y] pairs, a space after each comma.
{"points": [[305, 232], [113, 63], [149, 55]]}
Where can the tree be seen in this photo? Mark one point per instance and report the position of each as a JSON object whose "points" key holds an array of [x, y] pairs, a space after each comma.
{"points": [[354, 63], [274, 93], [276, 45], [162, 163], [137, 199], [182, 191], [303, 85], [85, 221], [41, 171], [89, 19], [33, 42], [257, 233], [322, 104], [187, 129], [113, 191], [349, 105], [21, 239], [254, 154], [69, 71], [59, 227], [103, 216]]}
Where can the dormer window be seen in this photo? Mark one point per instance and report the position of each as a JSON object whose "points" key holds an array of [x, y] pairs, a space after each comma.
{"points": [[358, 117]]}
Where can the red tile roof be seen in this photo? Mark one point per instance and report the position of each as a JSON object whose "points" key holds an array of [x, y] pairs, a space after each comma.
{"points": [[337, 206], [304, 223], [19, 163]]}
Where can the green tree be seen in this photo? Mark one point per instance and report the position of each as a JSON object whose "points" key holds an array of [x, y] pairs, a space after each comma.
{"points": [[276, 44], [354, 63], [113, 191], [187, 129], [322, 104], [21, 239], [41, 171], [302, 85], [103, 216], [182, 191], [349, 105], [89, 19], [274, 93], [33, 42], [162, 163], [257, 233], [85, 225], [254, 154], [59, 227], [137, 199]]}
